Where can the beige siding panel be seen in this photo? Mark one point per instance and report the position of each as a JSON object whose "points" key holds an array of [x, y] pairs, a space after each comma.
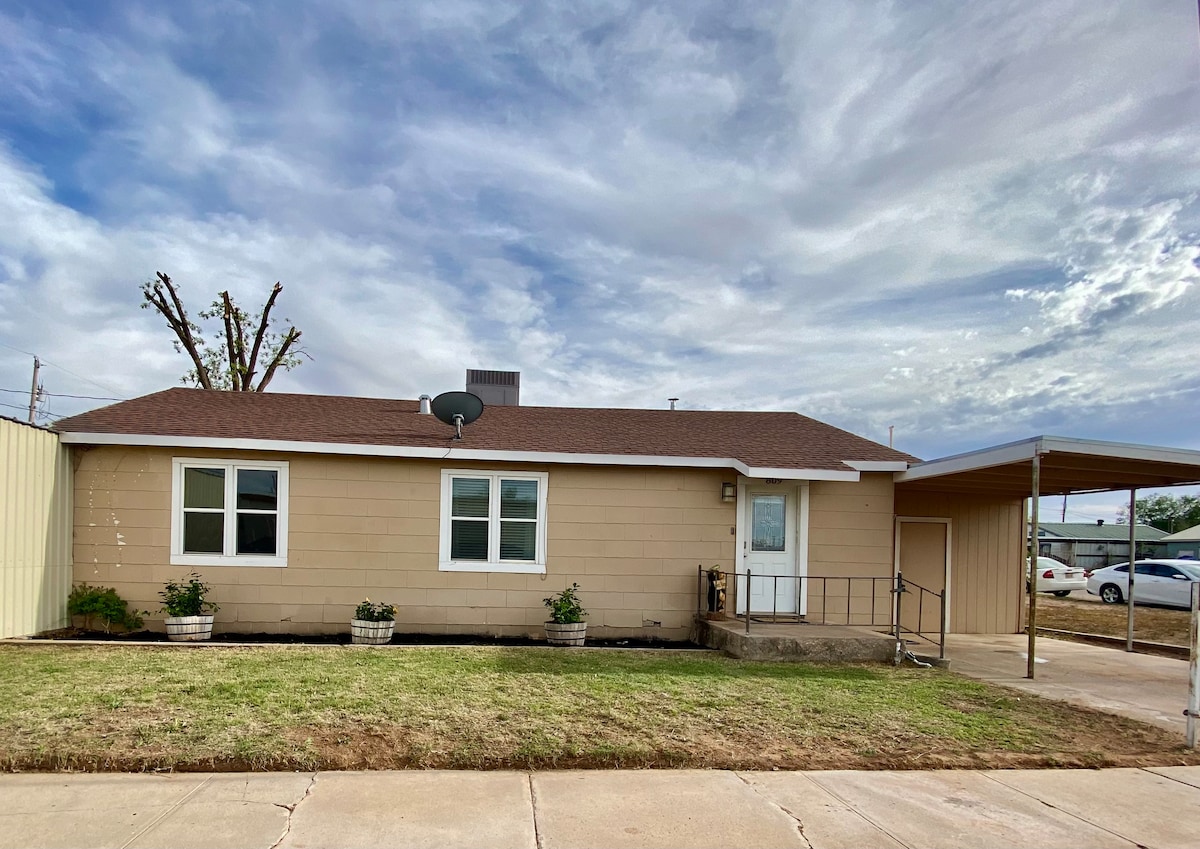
{"points": [[363, 527], [35, 530], [986, 571], [850, 533], [850, 529]]}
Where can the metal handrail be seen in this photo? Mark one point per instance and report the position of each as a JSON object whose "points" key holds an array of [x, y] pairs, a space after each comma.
{"points": [[879, 615]]}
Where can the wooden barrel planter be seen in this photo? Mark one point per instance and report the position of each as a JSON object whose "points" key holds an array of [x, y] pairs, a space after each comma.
{"points": [[365, 633], [189, 628], [566, 633]]}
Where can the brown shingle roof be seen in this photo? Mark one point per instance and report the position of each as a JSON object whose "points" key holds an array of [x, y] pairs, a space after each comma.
{"points": [[766, 440]]}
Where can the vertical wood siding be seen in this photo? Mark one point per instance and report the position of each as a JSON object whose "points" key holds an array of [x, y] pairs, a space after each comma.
{"points": [[986, 568], [35, 530]]}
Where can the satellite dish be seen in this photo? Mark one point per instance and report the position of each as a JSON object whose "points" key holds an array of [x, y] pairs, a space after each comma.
{"points": [[457, 409]]}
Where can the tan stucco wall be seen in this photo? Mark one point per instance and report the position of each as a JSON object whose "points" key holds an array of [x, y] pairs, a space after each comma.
{"points": [[359, 527], [850, 535], [631, 537], [986, 571]]}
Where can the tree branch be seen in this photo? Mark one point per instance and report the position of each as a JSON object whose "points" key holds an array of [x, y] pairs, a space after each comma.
{"points": [[262, 332], [226, 311], [292, 336], [178, 321]]}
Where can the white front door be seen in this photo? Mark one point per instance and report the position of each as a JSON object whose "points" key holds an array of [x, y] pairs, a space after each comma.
{"points": [[769, 553]]}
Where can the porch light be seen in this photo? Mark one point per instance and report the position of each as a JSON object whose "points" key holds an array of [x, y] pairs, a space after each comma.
{"points": [[727, 492]]}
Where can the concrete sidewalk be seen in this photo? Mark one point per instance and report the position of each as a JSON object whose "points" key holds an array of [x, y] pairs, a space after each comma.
{"points": [[542, 810]]}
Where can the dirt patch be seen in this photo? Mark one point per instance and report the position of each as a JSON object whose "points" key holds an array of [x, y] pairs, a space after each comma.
{"points": [[1155, 624]]}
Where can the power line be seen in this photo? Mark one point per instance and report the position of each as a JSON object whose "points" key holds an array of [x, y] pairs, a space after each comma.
{"points": [[16, 407], [64, 395], [63, 368]]}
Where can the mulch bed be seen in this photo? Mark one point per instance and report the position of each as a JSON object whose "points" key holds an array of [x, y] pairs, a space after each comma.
{"points": [[344, 639]]}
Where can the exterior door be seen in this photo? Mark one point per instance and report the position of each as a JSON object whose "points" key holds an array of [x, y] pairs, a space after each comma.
{"points": [[1148, 584], [921, 559], [770, 553]]}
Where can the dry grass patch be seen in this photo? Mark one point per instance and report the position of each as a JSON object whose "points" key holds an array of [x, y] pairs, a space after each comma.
{"points": [[304, 707], [1155, 624]]}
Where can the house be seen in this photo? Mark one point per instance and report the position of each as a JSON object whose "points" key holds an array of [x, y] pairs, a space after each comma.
{"points": [[296, 507], [1096, 545], [1185, 543]]}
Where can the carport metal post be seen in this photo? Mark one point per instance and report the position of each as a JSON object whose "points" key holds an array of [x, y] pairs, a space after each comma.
{"points": [[1193, 708], [1031, 587], [1132, 568]]}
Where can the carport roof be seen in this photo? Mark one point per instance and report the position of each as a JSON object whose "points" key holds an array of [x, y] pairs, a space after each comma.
{"points": [[1067, 466]]}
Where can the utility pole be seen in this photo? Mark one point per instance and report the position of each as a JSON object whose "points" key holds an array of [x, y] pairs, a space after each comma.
{"points": [[34, 390]]}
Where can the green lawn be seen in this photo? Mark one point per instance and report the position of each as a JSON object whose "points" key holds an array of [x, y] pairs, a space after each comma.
{"points": [[330, 707]]}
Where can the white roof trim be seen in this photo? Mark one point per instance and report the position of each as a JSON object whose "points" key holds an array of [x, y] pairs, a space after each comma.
{"points": [[1191, 534], [362, 450], [1024, 450], [877, 465]]}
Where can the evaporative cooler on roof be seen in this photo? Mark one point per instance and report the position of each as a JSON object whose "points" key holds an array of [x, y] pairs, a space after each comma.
{"points": [[495, 388]]}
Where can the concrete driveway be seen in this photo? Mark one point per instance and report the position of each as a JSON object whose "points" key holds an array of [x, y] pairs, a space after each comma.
{"points": [[1143, 687]]}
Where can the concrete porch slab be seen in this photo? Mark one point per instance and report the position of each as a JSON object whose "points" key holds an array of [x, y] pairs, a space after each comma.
{"points": [[795, 642]]}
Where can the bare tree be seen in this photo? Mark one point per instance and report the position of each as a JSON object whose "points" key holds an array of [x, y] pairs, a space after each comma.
{"points": [[232, 364]]}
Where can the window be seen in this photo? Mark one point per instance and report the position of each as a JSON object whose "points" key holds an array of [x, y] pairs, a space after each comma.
{"points": [[493, 521], [226, 513], [767, 523]]}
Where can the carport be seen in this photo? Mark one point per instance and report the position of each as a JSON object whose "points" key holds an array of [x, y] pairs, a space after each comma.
{"points": [[1054, 465]]}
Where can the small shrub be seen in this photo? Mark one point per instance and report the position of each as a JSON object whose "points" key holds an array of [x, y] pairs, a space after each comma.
{"points": [[104, 604], [186, 598], [377, 611], [565, 607]]}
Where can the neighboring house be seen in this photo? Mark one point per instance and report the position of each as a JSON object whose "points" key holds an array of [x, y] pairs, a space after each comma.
{"points": [[296, 507], [1185, 543], [1096, 545]]}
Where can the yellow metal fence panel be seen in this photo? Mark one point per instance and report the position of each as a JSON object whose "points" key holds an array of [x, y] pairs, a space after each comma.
{"points": [[35, 530]]}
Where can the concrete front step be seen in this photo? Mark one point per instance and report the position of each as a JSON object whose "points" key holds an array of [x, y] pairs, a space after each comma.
{"points": [[796, 642]]}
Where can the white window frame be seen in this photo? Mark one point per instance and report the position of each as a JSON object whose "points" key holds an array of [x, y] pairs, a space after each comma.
{"points": [[537, 566], [229, 557]]}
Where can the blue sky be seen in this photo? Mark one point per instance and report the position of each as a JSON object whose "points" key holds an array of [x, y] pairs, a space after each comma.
{"points": [[974, 222]]}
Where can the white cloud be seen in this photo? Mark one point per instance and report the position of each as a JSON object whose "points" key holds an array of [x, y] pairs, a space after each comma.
{"points": [[817, 207]]}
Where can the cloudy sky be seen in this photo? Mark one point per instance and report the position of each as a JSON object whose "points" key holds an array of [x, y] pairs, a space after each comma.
{"points": [[975, 222]]}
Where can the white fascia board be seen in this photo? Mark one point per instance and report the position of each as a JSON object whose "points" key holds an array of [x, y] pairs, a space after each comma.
{"points": [[1122, 450], [877, 465], [1025, 450], [451, 453], [228, 444], [988, 457], [799, 474], [490, 456]]}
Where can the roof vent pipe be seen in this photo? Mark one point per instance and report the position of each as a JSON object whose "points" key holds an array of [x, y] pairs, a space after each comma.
{"points": [[1099, 522], [672, 400], [425, 408]]}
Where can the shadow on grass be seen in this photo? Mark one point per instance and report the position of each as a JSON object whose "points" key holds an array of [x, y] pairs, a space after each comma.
{"points": [[544, 661]]}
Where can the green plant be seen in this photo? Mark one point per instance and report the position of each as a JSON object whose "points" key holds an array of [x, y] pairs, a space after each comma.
{"points": [[375, 611], [565, 607], [104, 604], [186, 598]]}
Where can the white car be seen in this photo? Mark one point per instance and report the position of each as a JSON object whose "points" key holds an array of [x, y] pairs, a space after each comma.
{"points": [[1057, 577], [1166, 582]]}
